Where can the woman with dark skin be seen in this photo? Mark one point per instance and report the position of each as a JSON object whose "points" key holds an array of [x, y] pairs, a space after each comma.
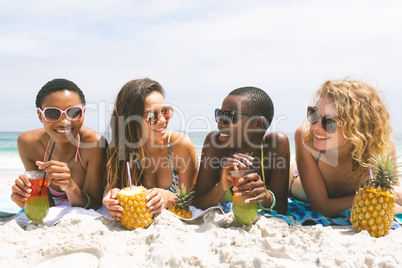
{"points": [[76, 169], [240, 141]]}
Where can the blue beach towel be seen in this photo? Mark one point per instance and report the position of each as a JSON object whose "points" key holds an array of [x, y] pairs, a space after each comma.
{"points": [[8, 207], [300, 212]]}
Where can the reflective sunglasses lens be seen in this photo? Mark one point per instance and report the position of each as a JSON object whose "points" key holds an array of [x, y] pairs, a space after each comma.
{"points": [[217, 115], [167, 112], [313, 116], [152, 117], [329, 124], [52, 114], [74, 113], [227, 117]]}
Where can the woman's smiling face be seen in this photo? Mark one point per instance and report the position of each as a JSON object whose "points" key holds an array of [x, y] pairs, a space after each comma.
{"points": [[322, 139], [155, 101], [63, 129], [234, 134]]}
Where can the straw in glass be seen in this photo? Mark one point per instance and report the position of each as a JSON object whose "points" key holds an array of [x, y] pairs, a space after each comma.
{"points": [[129, 175], [43, 181]]}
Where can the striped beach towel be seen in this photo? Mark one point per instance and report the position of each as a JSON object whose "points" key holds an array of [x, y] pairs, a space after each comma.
{"points": [[300, 213]]}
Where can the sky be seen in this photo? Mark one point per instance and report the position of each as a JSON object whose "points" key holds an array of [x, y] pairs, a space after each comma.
{"points": [[198, 51]]}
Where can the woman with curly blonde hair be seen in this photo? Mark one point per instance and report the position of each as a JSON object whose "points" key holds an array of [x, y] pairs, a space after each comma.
{"points": [[346, 128]]}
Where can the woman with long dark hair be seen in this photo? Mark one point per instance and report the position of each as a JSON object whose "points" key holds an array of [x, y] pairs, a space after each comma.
{"points": [[159, 159]]}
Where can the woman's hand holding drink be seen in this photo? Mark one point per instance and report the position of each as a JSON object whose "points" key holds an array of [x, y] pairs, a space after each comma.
{"points": [[245, 213]]}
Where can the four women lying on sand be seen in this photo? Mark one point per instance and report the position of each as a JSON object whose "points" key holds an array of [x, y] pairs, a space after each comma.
{"points": [[333, 149]]}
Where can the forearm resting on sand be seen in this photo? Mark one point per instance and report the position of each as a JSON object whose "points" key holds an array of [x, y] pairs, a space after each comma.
{"points": [[211, 198]]}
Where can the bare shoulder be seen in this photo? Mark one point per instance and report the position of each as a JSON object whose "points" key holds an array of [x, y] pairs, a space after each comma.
{"points": [[299, 134], [88, 135], [180, 138], [31, 146], [276, 138], [181, 142], [31, 138]]}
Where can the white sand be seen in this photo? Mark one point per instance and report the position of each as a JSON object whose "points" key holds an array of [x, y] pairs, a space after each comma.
{"points": [[215, 240]]}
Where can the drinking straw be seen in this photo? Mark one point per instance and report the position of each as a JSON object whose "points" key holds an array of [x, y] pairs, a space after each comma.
{"points": [[371, 174], [44, 176], [129, 175]]}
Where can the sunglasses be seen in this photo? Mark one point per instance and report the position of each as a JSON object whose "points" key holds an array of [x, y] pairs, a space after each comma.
{"points": [[53, 114], [329, 123], [152, 117], [227, 116]]}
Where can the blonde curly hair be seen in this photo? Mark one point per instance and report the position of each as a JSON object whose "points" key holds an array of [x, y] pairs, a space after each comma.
{"points": [[365, 121]]}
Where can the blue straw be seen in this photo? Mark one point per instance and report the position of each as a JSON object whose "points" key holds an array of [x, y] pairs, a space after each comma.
{"points": [[129, 175]]}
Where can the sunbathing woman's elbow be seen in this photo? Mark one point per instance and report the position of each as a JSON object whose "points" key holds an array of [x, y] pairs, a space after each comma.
{"points": [[324, 210]]}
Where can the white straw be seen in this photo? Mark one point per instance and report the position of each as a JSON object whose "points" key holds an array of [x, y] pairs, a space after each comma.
{"points": [[129, 175], [371, 174]]}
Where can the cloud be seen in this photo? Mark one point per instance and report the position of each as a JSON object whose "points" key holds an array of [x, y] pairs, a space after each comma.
{"points": [[198, 50]]}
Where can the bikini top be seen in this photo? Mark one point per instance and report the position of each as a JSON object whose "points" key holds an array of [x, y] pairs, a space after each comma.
{"points": [[62, 195], [175, 176], [77, 153]]}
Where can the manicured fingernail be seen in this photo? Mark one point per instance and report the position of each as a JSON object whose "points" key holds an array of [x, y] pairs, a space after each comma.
{"points": [[238, 194], [235, 189], [241, 180]]}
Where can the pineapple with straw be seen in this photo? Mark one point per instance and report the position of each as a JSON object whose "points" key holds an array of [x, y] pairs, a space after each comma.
{"points": [[373, 207], [136, 213]]}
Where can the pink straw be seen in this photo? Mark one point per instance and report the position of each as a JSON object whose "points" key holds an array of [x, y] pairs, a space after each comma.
{"points": [[129, 175]]}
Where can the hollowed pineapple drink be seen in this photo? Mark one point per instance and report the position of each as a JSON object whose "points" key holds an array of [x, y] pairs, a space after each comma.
{"points": [[136, 213], [374, 205], [244, 213]]}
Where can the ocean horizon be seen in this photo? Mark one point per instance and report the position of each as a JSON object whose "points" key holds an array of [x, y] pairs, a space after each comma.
{"points": [[11, 163]]}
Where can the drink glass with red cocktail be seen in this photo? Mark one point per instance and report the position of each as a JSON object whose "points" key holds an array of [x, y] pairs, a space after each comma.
{"points": [[245, 213], [37, 205]]}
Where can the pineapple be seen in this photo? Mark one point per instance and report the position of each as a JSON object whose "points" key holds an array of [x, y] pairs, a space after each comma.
{"points": [[374, 205], [183, 201], [136, 213]]}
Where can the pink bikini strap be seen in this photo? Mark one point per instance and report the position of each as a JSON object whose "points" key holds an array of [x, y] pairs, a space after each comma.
{"points": [[77, 153]]}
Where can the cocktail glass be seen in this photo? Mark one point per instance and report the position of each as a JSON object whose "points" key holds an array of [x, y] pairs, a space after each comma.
{"points": [[37, 205], [244, 213]]}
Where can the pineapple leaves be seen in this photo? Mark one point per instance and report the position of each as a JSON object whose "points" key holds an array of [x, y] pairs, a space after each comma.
{"points": [[385, 172]]}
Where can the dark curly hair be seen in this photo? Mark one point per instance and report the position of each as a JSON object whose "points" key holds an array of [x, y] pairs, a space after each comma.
{"points": [[58, 84], [259, 102]]}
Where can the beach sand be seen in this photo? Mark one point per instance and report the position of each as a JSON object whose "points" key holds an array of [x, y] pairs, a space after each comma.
{"points": [[213, 240]]}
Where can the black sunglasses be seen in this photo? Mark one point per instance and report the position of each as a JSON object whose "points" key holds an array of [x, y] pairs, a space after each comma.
{"points": [[152, 117], [227, 116], [329, 123]]}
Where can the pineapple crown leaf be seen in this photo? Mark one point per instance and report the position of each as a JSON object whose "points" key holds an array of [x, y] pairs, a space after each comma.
{"points": [[385, 172], [184, 197]]}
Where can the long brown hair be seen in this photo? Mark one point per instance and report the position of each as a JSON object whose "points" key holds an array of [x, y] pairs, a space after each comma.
{"points": [[126, 125]]}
